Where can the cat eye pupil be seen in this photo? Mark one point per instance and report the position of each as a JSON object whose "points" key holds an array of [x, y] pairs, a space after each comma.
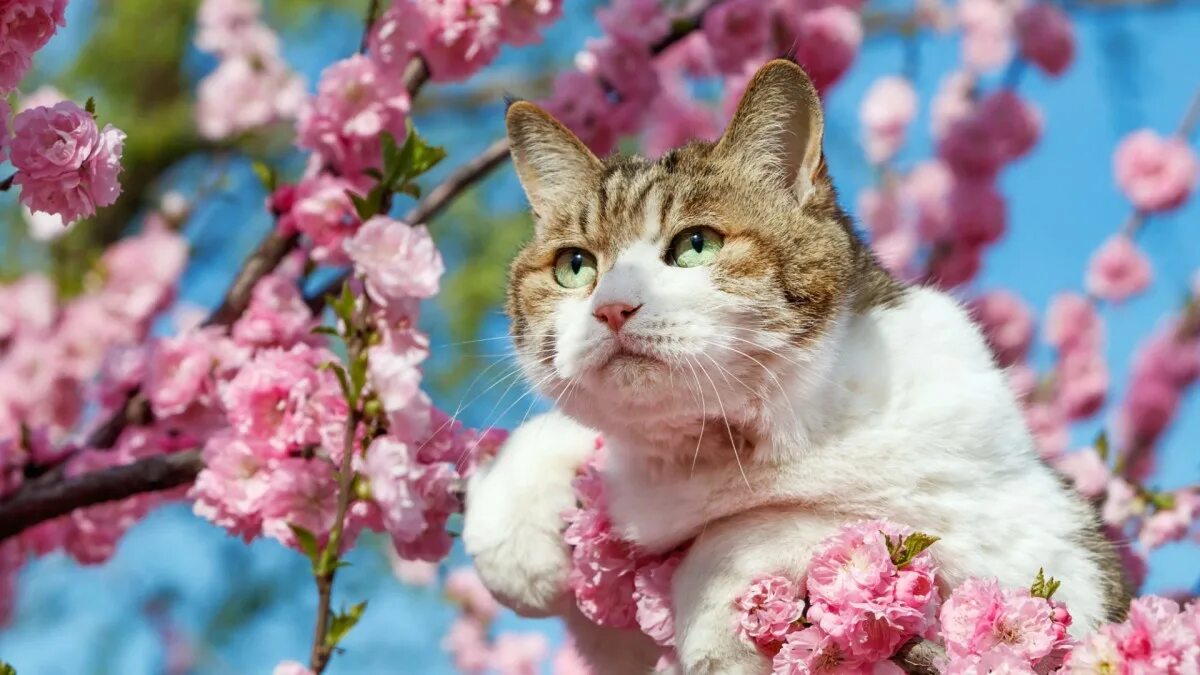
{"points": [[697, 242], [576, 262]]}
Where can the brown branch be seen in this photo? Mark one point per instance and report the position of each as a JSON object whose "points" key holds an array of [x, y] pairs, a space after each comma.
{"points": [[30, 507], [271, 251], [919, 657]]}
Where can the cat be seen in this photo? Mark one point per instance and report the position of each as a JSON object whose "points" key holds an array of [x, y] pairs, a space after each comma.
{"points": [[759, 380]]}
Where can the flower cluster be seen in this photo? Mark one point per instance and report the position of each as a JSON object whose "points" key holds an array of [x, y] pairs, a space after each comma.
{"points": [[985, 626], [1158, 637], [615, 584], [869, 588], [251, 86], [25, 27]]}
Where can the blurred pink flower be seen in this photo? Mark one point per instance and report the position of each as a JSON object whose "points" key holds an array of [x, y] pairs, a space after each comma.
{"points": [[246, 93], [1171, 524], [467, 644], [1072, 323], [291, 668], [518, 653], [397, 35], [231, 488], [887, 109], [1007, 322], [675, 119], [976, 212], [1086, 469], [638, 21], [1045, 37], [1082, 383], [738, 32], [522, 19], [1118, 270], [987, 39], [397, 260], [1119, 502], [5, 133], [276, 316], [828, 40], [568, 661], [581, 104], [1155, 173], [464, 587], [461, 36], [25, 27]]}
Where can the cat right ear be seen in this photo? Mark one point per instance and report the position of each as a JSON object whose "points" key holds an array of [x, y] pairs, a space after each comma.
{"points": [[552, 164]]}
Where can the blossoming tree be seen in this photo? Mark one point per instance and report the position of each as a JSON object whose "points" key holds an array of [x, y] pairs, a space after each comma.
{"points": [[294, 410]]}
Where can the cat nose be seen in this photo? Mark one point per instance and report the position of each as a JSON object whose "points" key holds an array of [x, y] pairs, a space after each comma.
{"points": [[615, 314]]}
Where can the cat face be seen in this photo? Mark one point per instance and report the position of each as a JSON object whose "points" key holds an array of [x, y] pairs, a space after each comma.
{"points": [[681, 289]]}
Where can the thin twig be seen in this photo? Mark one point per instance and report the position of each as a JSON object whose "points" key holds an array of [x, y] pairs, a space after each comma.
{"points": [[368, 24], [7, 183]]}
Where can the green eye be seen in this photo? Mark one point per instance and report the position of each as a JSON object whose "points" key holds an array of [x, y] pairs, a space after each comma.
{"points": [[575, 268], [695, 247]]}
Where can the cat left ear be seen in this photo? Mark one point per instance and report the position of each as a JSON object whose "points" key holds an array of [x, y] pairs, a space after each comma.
{"points": [[552, 164], [777, 129]]}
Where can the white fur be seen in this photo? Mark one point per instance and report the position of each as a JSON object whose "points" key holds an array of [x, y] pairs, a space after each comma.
{"points": [[757, 449]]}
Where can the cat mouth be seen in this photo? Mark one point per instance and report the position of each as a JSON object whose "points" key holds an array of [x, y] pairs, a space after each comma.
{"points": [[628, 355]]}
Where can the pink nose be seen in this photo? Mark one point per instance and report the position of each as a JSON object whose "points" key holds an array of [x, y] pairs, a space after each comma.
{"points": [[615, 314]]}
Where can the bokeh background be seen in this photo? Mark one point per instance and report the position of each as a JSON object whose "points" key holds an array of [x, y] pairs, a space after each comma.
{"points": [[179, 587]]}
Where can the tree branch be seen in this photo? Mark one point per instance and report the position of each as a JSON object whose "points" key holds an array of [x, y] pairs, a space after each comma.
{"points": [[29, 507]]}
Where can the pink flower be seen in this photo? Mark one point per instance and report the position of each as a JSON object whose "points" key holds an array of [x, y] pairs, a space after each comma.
{"points": [[1082, 383], [233, 28], [356, 102], [461, 36], [1049, 428], [1154, 639], [1155, 173], [65, 165], [927, 187], [283, 401], [1015, 124], [518, 653], [827, 43], [887, 109], [1045, 37], [975, 212], [638, 21], [245, 93], [1171, 524], [1007, 322], [391, 473], [276, 316], [1120, 502], [979, 616], [5, 116], [322, 211], [581, 104], [179, 373], [652, 593], [953, 101], [466, 642], [1000, 129], [398, 260], [810, 651], [1072, 323], [738, 32], [301, 493], [232, 486], [1149, 406], [1095, 653], [1170, 357], [397, 35], [629, 69], [291, 668], [394, 367], [675, 119], [568, 661], [1001, 660], [956, 264], [987, 34], [520, 20], [1118, 270], [25, 27], [464, 587], [770, 609], [1086, 470]]}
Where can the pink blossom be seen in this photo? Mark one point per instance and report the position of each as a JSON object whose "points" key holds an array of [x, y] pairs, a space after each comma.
{"points": [[1155, 173], [276, 316], [987, 33], [65, 165], [1045, 37], [638, 21], [1154, 639], [1149, 406], [1082, 383], [980, 616], [1007, 322], [1015, 124], [887, 109], [391, 472], [1118, 270], [568, 661], [1086, 469], [953, 101], [233, 28], [25, 27], [464, 587], [245, 93], [1022, 379], [356, 103], [291, 668], [827, 43], [1120, 502], [1000, 660], [1096, 652], [970, 147], [5, 116], [1072, 323], [466, 642], [811, 651], [178, 373], [461, 36], [675, 119], [397, 35], [975, 212], [282, 400], [629, 69], [231, 488], [738, 31], [1049, 428], [652, 593], [1169, 356], [522, 19], [518, 653], [398, 260], [927, 186], [580, 103], [301, 493], [1171, 524], [322, 211], [956, 264], [394, 367]]}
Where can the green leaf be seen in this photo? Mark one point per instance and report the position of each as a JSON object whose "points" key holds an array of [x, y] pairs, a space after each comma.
{"points": [[308, 543], [1101, 445], [373, 173], [411, 189], [266, 175], [6, 669], [343, 305], [905, 548], [90, 106], [344, 381], [1043, 586], [365, 207], [417, 156], [342, 622], [358, 373], [325, 330]]}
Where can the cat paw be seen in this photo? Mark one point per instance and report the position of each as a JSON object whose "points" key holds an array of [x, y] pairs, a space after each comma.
{"points": [[514, 514]]}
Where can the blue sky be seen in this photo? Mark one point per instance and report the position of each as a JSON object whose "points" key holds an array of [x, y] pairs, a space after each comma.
{"points": [[1134, 68]]}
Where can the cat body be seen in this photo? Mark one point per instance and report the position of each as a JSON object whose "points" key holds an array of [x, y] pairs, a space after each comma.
{"points": [[759, 381]]}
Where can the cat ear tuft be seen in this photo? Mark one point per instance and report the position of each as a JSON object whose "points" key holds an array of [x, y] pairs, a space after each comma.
{"points": [[552, 164], [778, 127]]}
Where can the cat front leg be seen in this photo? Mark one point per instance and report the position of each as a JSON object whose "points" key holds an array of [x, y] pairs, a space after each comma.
{"points": [[513, 522], [720, 565], [611, 651]]}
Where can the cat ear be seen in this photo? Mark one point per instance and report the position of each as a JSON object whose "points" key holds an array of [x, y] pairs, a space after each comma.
{"points": [[777, 128], [552, 164]]}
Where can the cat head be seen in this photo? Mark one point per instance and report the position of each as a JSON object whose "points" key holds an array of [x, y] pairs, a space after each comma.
{"points": [[664, 293]]}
